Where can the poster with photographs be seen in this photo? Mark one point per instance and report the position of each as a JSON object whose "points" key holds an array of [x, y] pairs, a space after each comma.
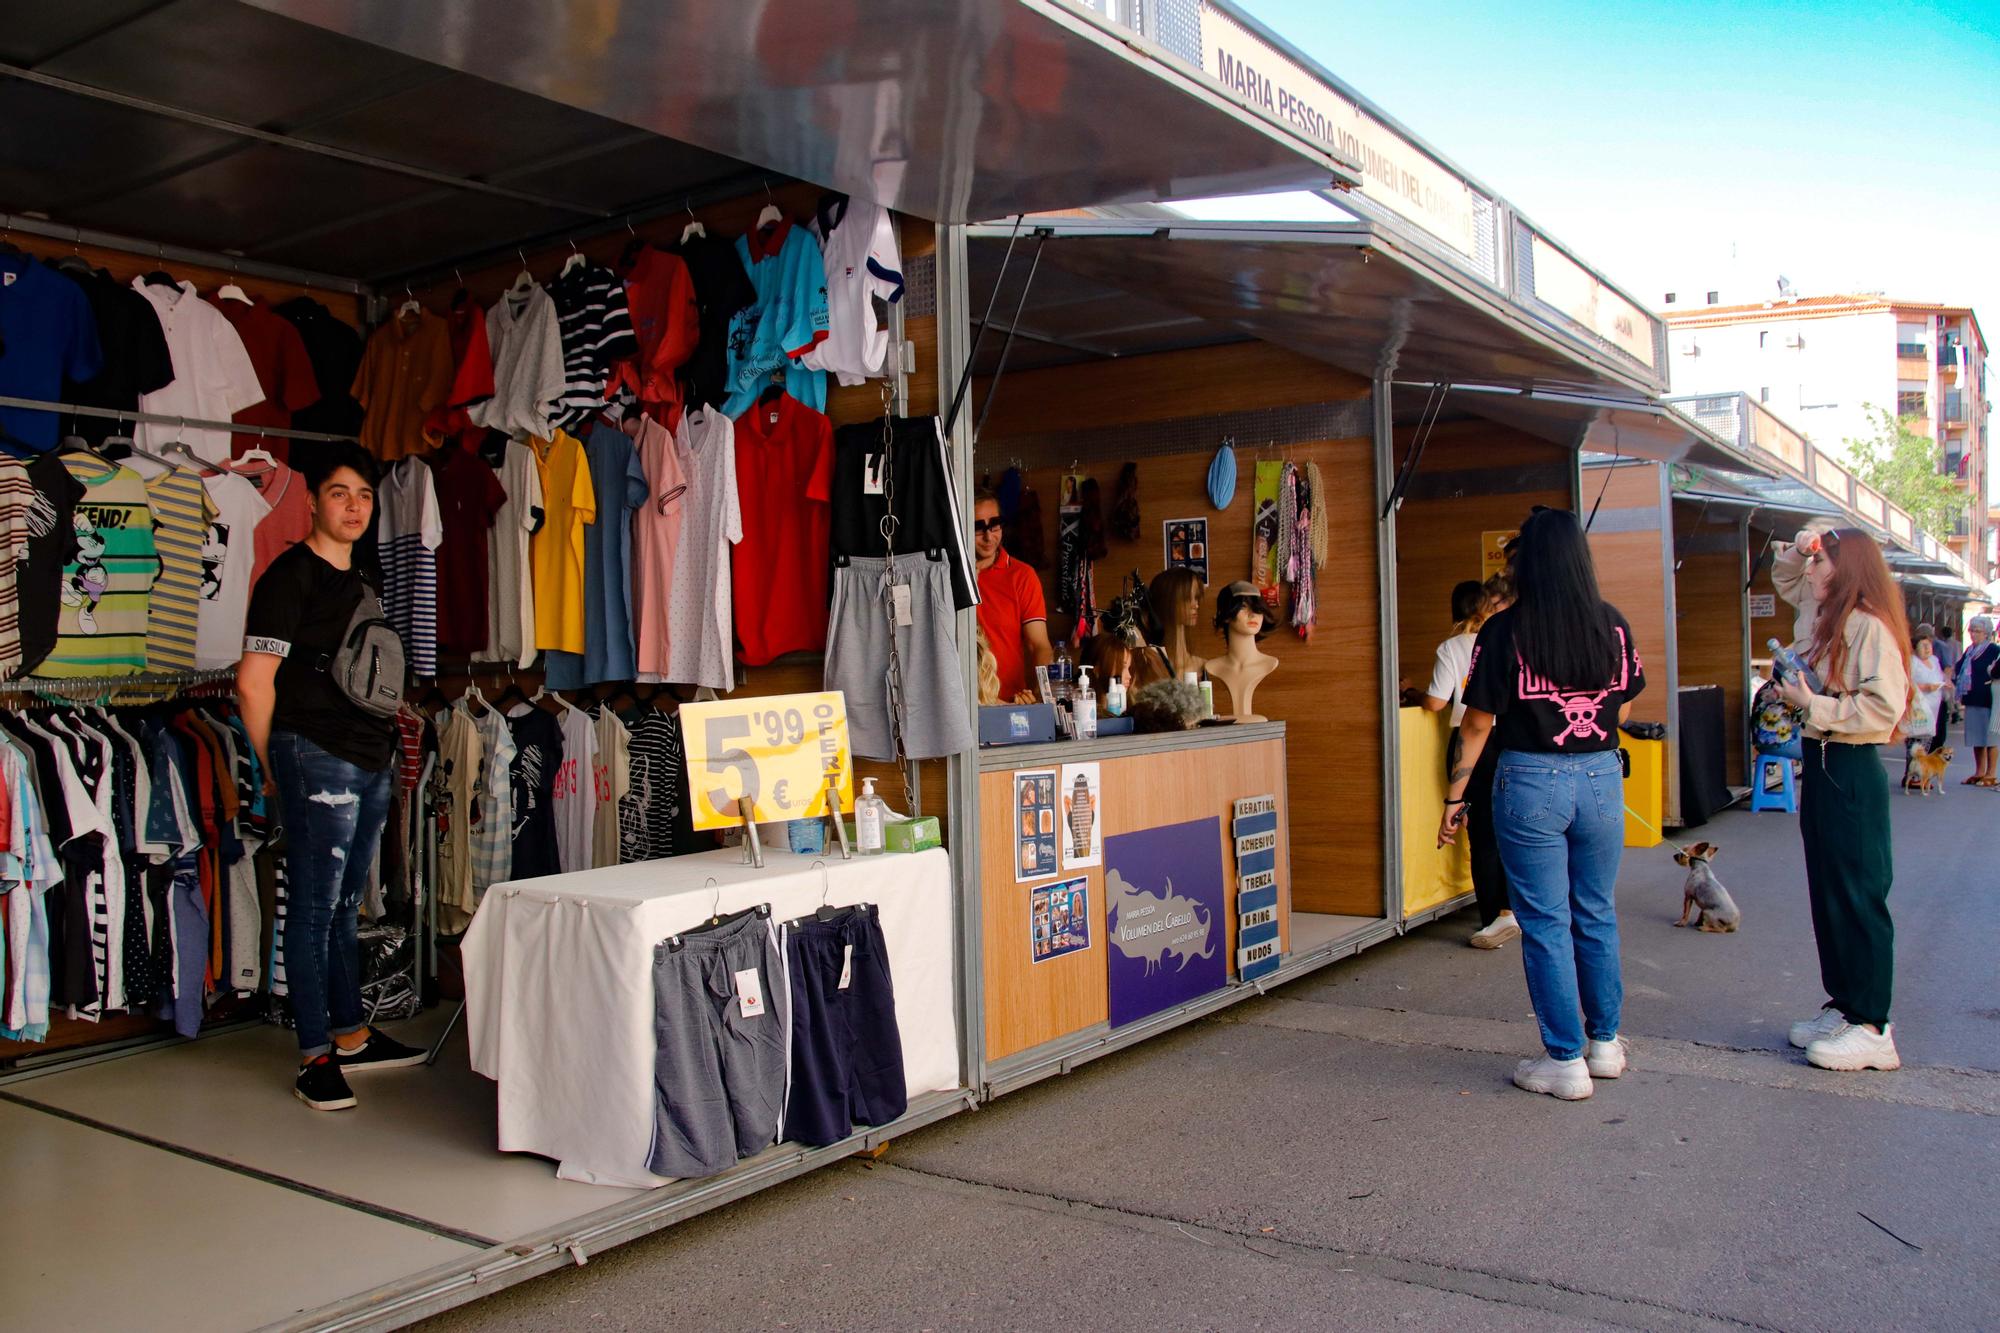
{"points": [[1082, 820], [1059, 919], [1035, 853], [1187, 544]]}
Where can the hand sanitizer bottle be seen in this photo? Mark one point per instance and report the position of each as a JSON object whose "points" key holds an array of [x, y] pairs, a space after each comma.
{"points": [[1114, 698], [870, 814], [1083, 704]]}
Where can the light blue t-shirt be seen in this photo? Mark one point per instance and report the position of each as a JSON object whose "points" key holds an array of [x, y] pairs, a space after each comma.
{"points": [[786, 320], [620, 483]]}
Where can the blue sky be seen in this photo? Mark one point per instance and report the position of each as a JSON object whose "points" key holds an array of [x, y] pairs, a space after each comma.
{"points": [[1846, 145]]}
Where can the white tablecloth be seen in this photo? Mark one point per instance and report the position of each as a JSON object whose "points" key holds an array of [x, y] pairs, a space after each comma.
{"points": [[559, 986]]}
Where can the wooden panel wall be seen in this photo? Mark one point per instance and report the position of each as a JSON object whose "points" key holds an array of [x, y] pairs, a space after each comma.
{"points": [[1631, 572], [1032, 1003], [1777, 625], [1438, 534], [1710, 606], [1326, 688]]}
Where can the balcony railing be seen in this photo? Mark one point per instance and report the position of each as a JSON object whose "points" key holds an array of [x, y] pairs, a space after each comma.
{"points": [[1948, 354], [1954, 409]]}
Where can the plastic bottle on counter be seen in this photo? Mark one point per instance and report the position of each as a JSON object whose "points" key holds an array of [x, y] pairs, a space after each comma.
{"points": [[1083, 705], [1114, 698], [1203, 688], [871, 814], [1062, 672]]}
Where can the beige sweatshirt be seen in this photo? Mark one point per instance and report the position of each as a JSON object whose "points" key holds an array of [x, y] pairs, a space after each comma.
{"points": [[1864, 706]]}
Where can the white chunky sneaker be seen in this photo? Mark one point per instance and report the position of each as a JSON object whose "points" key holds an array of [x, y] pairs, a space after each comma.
{"points": [[1856, 1046], [1504, 928], [1824, 1024], [1565, 1079], [1606, 1059]]}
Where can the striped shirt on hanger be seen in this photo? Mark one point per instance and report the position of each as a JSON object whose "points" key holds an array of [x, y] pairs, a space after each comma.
{"points": [[182, 512], [17, 496], [595, 321]]}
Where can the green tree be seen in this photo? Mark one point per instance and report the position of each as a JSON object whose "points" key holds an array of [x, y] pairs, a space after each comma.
{"points": [[1908, 467]]}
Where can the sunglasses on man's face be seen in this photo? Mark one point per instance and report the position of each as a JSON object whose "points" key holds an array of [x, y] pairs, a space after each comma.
{"points": [[983, 525]]}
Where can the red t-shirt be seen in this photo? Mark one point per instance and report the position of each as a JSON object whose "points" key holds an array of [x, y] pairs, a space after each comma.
{"points": [[667, 323], [278, 355], [468, 495], [784, 484], [1010, 596]]}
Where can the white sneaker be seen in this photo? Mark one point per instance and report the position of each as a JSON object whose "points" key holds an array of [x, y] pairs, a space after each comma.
{"points": [[1606, 1059], [1504, 928], [1565, 1079], [1856, 1046], [1823, 1024]]}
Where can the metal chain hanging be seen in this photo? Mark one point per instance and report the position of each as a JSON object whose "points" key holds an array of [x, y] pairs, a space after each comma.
{"points": [[888, 592]]}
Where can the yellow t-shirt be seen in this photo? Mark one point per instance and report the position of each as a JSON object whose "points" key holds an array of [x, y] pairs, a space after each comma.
{"points": [[555, 556]]}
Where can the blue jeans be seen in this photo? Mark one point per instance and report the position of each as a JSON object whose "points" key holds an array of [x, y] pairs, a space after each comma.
{"points": [[334, 813], [1561, 821]]}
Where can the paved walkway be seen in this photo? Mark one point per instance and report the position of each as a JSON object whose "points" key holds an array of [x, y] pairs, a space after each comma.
{"points": [[1347, 1153]]}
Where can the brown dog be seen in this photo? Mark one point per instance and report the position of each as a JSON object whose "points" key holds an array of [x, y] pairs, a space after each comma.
{"points": [[1719, 913], [1929, 769]]}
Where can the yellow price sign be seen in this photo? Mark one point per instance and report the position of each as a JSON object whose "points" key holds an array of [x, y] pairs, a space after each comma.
{"points": [[778, 750], [1493, 552]]}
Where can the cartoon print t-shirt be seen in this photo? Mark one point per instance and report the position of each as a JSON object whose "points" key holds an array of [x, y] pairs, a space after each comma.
{"points": [[108, 581], [1537, 715]]}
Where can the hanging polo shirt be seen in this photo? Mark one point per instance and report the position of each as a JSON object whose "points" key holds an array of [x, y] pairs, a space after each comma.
{"points": [[656, 539], [287, 518], [101, 630], [521, 330], [17, 497], [50, 334], [667, 323], [595, 326], [181, 514], [619, 484], [510, 584], [569, 503], [334, 348], [471, 377], [721, 289], [784, 477], [469, 498], [863, 263], [136, 360], [406, 372], [787, 320], [284, 371], [213, 378], [411, 530], [701, 608], [1010, 596]]}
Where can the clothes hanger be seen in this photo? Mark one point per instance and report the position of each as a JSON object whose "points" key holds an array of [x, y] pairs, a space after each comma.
{"points": [[411, 306], [524, 281], [694, 228], [771, 391], [178, 452], [159, 277], [577, 259], [770, 215], [632, 246], [256, 453], [461, 296], [229, 291]]}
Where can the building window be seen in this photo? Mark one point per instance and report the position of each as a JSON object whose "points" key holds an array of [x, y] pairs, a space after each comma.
{"points": [[1912, 402], [1715, 298], [1910, 341], [1763, 338], [1670, 298], [1764, 395]]}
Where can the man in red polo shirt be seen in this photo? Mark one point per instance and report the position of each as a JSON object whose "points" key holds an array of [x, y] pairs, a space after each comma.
{"points": [[1011, 610]]}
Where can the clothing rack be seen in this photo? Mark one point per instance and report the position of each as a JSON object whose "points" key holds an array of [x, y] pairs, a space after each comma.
{"points": [[92, 686], [158, 419]]}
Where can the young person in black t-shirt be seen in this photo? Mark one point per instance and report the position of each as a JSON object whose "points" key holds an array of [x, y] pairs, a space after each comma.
{"points": [[1552, 677], [328, 763]]}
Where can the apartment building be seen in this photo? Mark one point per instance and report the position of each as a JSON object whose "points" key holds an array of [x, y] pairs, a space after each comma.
{"points": [[1826, 362]]}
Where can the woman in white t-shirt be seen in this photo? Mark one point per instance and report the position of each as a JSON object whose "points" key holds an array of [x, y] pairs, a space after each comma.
{"points": [[1926, 696], [1469, 608]]}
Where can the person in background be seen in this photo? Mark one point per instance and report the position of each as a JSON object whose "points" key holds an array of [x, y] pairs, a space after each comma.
{"points": [[1927, 685], [1552, 677], [1499, 593], [328, 763], [1978, 665], [1948, 653], [1174, 597], [1469, 603], [1860, 651], [1011, 609]]}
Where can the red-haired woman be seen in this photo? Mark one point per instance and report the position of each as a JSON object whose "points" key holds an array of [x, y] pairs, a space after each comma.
{"points": [[1860, 649]]}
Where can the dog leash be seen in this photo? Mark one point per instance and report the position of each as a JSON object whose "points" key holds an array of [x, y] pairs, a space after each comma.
{"points": [[1661, 836]]}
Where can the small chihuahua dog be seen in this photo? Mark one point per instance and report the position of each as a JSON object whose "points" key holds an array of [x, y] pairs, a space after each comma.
{"points": [[1719, 913], [1928, 769]]}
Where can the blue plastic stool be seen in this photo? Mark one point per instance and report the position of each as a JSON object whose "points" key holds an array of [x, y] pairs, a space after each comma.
{"points": [[1786, 798]]}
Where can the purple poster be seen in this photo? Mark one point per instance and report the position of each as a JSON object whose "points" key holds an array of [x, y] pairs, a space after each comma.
{"points": [[1164, 915]]}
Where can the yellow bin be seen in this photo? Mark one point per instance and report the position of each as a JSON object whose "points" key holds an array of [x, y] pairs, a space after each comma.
{"points": [[1645, 791]]}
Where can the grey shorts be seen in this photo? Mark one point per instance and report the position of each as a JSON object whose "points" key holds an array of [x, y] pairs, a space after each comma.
{"points": [[937, 715], [719, 1075]]}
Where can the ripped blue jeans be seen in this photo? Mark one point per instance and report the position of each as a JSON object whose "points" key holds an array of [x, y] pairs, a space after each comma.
{"points": [[334, 813]]}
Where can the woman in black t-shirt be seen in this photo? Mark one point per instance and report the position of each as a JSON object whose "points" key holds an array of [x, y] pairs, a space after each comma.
{"points": [[1552, 677], [327, 762]]}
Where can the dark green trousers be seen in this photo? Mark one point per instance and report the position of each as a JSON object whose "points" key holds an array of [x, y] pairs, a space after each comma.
{"points": [[1844, 819]]}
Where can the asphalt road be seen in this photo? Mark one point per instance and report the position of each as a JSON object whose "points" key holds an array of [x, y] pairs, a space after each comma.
{"points": [[1347, 1152]]}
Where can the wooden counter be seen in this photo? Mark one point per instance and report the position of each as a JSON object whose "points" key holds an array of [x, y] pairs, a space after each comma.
{"points": [[1148, 782]]}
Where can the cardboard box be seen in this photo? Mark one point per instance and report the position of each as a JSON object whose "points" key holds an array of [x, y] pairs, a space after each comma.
{"points": [[1017, 724], [914, 835]]}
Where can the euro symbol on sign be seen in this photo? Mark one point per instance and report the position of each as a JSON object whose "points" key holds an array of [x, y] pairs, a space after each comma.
{"points": [[778, 794]]}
